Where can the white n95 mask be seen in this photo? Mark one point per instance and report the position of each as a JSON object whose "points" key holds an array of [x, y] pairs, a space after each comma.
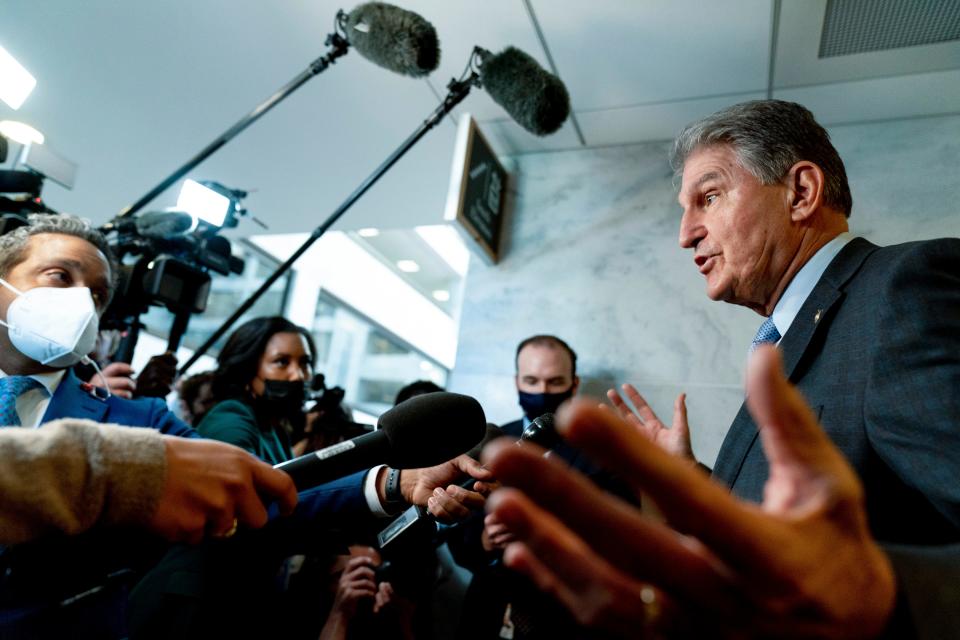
{"points": [[55, 326]]}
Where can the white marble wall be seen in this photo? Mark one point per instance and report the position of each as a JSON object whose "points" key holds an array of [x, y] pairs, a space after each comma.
{"points": [[592, 256]]}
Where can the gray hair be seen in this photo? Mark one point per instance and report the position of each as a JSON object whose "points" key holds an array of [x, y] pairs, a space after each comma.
{"points": [[769, 137], [13, 244]]}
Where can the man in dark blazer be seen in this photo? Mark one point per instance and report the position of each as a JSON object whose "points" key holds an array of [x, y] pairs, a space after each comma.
{"points": [[870, 336]]}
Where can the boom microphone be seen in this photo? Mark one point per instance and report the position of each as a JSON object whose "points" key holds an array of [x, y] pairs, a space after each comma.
{"points": [[535, 98], [423, 431], [393, 38]]}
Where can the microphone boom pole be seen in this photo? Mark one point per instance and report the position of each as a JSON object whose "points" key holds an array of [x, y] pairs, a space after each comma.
{"points": [[338, 47], [457, 91]]}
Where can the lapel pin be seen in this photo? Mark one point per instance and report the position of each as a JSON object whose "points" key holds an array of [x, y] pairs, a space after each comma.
{"points": [[816, 316]]}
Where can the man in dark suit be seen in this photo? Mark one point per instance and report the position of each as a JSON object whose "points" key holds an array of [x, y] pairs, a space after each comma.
{"points": [[871, 338]]}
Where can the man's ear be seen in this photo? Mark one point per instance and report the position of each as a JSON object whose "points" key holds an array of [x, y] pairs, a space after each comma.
{"points": [[805, 182], [576, 385]]}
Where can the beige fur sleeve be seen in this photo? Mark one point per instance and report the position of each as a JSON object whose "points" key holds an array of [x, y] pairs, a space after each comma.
{"points": [[71, 474]]}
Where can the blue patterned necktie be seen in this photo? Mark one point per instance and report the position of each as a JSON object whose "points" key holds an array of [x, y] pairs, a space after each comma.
{"points": [[766, 333], [11, 388]]}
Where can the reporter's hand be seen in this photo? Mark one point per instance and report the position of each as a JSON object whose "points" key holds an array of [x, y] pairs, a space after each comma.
{"points": [[674, 439], [418, 486], [156, 379], [801, 565], [119, 377], [496, 535], [357, 583], [209, 484]]}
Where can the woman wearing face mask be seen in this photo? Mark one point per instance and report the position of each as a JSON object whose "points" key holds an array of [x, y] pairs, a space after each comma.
{"points": [[259, 387]]}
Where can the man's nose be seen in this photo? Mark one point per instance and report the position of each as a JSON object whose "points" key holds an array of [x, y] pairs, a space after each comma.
{"points": [[691, 231]]}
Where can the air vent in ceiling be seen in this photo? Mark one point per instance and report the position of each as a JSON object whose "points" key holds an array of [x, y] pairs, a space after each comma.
{"points": [[857, 26]]}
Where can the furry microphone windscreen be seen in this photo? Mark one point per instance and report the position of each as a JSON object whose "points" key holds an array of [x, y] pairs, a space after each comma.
{"points": [[428, 429], [536, 99], [393, 38]]}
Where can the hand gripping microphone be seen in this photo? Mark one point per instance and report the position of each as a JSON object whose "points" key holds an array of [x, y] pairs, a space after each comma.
{"points": [[424, 431]]}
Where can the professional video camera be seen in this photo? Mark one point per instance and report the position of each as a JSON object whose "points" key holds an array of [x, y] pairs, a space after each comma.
{"points": [[166, 258], [19, 192]]}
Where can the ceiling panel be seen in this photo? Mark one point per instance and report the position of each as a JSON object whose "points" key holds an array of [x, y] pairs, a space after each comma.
{"points": [[798, 46], [652, 122], [881, 98], [617, 53]]}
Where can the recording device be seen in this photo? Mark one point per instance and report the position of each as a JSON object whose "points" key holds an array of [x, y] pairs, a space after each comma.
{"points": [[166, 258], [536, 99], [417, 521], [20, 189], [423, 431], [539, 102], [395, 39]]}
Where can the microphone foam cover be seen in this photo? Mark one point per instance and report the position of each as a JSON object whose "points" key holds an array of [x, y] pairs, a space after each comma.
{"points": [[536, 99], [164, 224], [432, 428], [394, 38]]}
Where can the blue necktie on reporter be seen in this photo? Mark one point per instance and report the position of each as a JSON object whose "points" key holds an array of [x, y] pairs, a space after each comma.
{"points": [[11, 388], [766, 333]]}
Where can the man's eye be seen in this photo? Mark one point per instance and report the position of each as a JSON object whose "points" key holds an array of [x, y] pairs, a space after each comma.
{"points": [[710, 198]]}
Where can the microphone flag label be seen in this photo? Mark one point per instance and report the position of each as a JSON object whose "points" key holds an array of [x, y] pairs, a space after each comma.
{"points": [[336, 449]]}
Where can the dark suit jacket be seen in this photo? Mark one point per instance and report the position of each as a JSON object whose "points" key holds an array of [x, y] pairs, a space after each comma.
{"points": [[875, 350]]}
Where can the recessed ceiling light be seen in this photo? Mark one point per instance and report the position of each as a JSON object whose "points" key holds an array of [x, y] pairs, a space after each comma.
{"points": [[368, 232], [441, 295], [409, 266]]}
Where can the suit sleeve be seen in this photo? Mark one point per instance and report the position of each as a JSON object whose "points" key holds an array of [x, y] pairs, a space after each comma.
{"points": [[912, 397], [162, 419]]}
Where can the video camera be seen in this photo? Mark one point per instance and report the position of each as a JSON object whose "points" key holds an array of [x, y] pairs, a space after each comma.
{"points": [[166, 258], [20, 189]]}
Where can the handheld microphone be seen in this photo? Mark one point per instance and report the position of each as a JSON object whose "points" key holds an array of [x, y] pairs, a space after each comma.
{"points": [[536, 99], [542, 431], [424, 431], [393, 38]]}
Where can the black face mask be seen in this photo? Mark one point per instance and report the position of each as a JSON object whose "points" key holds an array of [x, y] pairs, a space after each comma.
{"points": [[536, 404], [284, 397]]}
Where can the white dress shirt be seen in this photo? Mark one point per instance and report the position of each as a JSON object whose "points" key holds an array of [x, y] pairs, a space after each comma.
{"points": [[803, 283]]}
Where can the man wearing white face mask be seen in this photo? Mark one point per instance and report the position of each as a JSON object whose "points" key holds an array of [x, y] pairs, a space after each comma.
{"points": [[55, 279]]}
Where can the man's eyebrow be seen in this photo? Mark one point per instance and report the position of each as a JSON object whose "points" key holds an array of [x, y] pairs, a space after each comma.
{"points": [[710, 175]]}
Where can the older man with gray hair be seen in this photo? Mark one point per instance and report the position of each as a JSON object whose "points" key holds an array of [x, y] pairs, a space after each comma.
{"points": [[868, 335]]}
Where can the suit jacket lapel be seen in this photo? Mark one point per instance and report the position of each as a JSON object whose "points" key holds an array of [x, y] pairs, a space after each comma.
{"points": [[817, 308], [71, 401]]}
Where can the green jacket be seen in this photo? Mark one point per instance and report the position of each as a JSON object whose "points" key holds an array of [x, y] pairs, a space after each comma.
{"points": [[234, 422]]}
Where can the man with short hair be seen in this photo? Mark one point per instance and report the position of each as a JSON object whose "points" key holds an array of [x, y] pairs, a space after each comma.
{"points": [[870, 336], [546, 376]]}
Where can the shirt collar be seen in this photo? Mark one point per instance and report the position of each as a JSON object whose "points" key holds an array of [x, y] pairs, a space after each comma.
{"points": [[803, 283], [50, 380]]}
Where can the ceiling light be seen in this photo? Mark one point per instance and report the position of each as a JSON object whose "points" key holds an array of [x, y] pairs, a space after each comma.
{"points": [[441, 295], [408, 266], [16, 83], [368, 232], [20, 132]]}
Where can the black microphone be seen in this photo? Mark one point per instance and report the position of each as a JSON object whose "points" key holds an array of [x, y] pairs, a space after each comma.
{"points": [[536, 99], [423, 431], [393, 38], [542, 431]]}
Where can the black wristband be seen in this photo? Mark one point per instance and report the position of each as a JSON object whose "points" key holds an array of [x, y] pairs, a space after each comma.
{"points": [[392, 495]]}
